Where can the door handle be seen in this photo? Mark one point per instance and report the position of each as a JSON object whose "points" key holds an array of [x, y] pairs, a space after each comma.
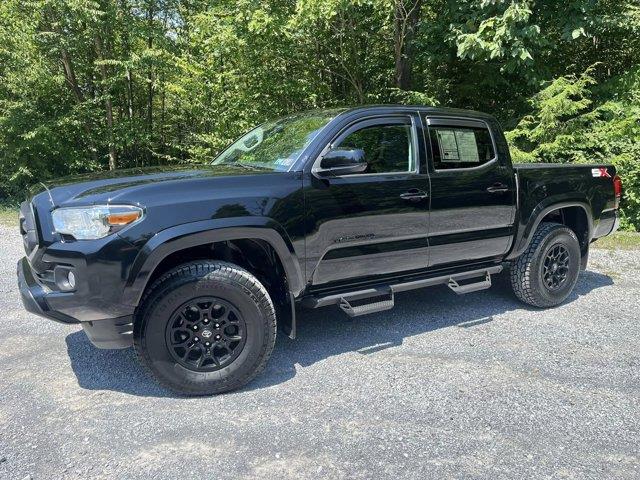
{"points": [[498, 188], [414, 195]]}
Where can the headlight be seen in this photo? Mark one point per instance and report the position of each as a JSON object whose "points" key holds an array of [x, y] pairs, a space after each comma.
{"points": [[89, 223]]}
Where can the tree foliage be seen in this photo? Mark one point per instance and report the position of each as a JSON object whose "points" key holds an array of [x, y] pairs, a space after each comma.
{"points": [[575, 120], [97, 84]]}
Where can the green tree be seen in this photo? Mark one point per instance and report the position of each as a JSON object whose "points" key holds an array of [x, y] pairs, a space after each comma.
{"points": [[98, 84]]}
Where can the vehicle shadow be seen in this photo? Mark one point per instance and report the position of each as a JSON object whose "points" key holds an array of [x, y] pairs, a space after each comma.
{"points": [[324, 333], [117, 370]]}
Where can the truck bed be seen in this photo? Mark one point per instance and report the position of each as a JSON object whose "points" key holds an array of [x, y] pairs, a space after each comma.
{"points": [[590, 185]]}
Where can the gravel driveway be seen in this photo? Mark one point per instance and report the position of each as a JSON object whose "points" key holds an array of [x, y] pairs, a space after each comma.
{"points": [[477, 386]]}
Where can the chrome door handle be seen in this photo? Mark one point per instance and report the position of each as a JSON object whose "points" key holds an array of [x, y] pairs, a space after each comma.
{"points": [[498, 188], [414, 195]]}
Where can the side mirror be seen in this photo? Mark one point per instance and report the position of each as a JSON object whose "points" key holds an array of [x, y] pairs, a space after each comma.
{"points": [[340, 161]]}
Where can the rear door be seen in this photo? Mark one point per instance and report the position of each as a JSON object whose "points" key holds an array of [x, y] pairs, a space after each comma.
{"points": [[375, 222], [473, 193]]}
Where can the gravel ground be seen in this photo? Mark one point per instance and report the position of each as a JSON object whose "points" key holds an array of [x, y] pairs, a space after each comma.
{"points": [[477, 386]]}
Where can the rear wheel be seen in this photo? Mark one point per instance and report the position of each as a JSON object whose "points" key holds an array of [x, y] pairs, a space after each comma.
{"points": [[545, 274], [206, 327]]}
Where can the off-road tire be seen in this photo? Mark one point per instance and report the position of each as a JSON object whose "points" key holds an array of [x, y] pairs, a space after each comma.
{"points": [[219, 279], [526, 272]]}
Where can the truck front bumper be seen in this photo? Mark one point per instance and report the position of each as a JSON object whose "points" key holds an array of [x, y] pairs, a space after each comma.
{"points": [[104, 333]]}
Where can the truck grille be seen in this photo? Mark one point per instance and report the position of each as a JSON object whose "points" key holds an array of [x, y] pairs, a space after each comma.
{"points": [[28, 228]]}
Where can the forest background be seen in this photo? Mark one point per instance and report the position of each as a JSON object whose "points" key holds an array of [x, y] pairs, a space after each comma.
{"points": [[90, 85]]}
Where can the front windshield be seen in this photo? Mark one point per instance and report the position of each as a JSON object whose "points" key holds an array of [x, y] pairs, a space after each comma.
{"points": [[275, 145]]}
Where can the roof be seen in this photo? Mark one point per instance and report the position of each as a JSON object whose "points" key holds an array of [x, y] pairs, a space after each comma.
{"points": [[423, 108]]}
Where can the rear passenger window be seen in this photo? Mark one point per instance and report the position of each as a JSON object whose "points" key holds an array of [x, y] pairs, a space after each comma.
{"points": [[460, 147]]}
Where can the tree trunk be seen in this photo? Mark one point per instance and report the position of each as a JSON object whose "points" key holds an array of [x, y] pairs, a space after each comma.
{"points": [[124, 6], [150, 15], [70, 76], [72, 81], [129, 94], [113, 158], [163, 139], [405, 23]]}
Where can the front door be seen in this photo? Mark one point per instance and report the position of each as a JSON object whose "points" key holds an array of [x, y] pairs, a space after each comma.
{"points": [[374, 222], [472, 192]]}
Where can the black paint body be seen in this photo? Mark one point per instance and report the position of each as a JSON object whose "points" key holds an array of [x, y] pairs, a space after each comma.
{"points": [[330, 234]]}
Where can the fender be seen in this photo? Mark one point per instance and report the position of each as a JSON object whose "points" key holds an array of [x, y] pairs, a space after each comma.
{"points": [[208, 231], [527, 227]]}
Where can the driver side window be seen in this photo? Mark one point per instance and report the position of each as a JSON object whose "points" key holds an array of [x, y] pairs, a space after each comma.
{"points": [[387, 148]]}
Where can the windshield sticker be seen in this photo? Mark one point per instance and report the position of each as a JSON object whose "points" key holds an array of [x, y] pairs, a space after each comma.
{"points": [[285, 162]]}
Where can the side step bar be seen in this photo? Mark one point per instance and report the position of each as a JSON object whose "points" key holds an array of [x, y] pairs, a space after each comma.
{"points": [[470, 287], [378, 304], [382, 297]]}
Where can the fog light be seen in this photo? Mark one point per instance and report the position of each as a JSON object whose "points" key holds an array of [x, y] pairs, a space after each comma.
{"points": [[65, 278]]}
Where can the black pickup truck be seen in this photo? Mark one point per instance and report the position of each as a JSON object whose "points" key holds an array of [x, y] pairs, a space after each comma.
{"points": [[195, 266]]}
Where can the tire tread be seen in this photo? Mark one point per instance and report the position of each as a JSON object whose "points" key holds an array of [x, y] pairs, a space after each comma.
{"points": [[521, 270], [202, 268]]}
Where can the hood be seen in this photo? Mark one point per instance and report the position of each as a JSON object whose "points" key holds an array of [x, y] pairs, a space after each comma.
{"points": [[104, 186]]}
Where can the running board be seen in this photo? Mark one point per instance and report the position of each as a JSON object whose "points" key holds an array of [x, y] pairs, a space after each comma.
{"points": [[470, 287], [346, 299], [373, 307]]}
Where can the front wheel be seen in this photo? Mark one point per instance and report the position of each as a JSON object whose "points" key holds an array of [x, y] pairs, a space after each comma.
{"points": [[546, 272], [205, 327]]}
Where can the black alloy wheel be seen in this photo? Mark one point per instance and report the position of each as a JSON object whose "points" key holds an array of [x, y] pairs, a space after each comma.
{"points": [[556, 267], [206, 334]]}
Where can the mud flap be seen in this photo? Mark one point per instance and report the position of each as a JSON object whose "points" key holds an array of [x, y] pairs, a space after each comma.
{"points": [[584, 259], [287, 317]]}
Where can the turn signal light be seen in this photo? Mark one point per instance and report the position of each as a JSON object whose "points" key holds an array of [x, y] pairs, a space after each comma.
{"points": [[123, 218]]}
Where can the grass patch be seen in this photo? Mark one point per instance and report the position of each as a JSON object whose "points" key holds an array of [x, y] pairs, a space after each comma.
{"points": [[9, 216], [619, 241]]}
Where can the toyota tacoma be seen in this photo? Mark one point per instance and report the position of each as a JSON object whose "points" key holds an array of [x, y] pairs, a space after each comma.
{"points": [[196, 266]]}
